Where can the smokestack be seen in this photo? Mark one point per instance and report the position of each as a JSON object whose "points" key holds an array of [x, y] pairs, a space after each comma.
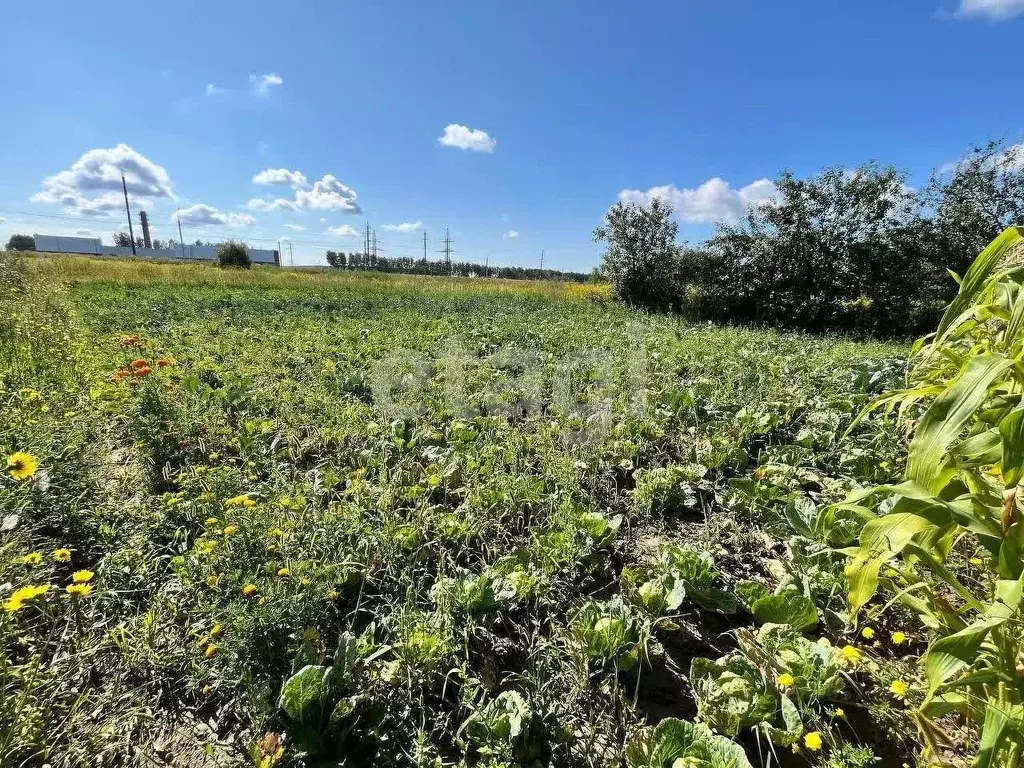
{"points": [[145, 229]]}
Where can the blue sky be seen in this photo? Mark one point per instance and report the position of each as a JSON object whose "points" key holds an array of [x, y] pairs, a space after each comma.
{"points": [[551, 109]]}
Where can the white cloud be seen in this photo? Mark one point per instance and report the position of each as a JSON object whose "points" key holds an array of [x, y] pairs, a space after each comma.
{"points": [[714, 200], [213, 90], [279, 204], [405, 226], [296, 227], [328, 194], [200, 214], [511, 235], [261, 84], [991, 9], [343, 231], [92, 185], [323, 219], [463, 137], [270, 176]]}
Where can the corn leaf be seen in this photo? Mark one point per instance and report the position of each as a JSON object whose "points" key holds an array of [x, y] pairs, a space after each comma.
{"points": [[976, 276]]}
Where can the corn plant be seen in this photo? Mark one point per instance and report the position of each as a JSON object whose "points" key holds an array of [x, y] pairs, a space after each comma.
{"points": [[962, 492]]}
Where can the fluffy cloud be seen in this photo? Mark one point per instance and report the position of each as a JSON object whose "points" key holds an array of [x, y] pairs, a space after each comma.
{"points": [[511, 235], [328, 194], [279, 204], [405, 226], [343, 231], [91, 185], [463, 137], [200, 214], [261, 84], [714, 200], [270, 176], [992, 9]]}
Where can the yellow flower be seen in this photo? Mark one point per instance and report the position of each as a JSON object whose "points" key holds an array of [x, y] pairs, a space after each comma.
{"points": [[212, 580], [868, 633], [217, 631], [333, 595], [249, 590], [79, 590], [785, 680], [899, 689], [277, 533], [271, 547], [247, 502], [898, 638], [284, 572], [211, 521], [813, 741], [211, 651], [977, 561], [82, 577], [32, 558], [230, 529], [840, 712], [22, 465], [237, 501], [62, 555], [21, 596], [851, 654]]}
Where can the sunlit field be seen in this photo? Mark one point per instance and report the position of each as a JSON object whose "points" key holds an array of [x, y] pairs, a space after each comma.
{"points": [[278, 517]]}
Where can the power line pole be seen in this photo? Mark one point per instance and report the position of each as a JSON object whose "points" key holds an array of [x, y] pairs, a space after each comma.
{"points": [[128, 210], [542, 260], [366, 241], [280, 255], [424, 245], [375, 244], [181, 237], [447, 250], [291, 254]]}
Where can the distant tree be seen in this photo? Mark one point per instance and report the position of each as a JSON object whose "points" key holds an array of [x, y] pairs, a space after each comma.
{"points": [[335, 259], [233, 255], [641, 259], [159, 244], [21, 243], [122, 239]]}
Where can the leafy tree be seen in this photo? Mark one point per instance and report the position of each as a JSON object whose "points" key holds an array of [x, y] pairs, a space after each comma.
{"points": [[842, 250], [642, 258], [335, 259], [233, 255], [21, 243], [122, 239]]}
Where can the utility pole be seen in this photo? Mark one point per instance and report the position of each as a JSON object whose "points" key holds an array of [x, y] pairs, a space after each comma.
{"points": [[542, 260], [375, 245], [447, 250], [366, 241], [291, 254], [424, 246], [280, 255], [181, 237], [128, 210]]}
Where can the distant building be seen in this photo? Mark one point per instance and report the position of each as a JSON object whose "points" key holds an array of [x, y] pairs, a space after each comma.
{"points": [[94, 247]]}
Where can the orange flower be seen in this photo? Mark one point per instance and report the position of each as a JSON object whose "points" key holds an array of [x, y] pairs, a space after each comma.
{"points": [[130, 341], [163, 362], [140, 363], [143, 371]]}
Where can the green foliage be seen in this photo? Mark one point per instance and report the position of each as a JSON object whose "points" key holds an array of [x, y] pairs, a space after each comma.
{"points": [[233, 255], [21, 243], [680, 744], [641, 260], [962, 486]]}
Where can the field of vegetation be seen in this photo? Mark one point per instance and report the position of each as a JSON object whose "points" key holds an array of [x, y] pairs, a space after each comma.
{"points": [[269, 518]]}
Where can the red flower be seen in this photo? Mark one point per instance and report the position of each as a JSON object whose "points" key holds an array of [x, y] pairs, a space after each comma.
{"points": [[143, 371], [136, 364], [163, 362]]}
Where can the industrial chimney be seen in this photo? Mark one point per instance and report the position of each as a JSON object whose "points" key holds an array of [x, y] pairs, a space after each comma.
{"points": [[145, 229]]}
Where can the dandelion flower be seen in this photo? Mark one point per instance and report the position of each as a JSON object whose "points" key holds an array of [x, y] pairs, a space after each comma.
{"points": [[277, 533], [898, 638], [62, 555], [840, 712], [249, 590], [79, 590], [851, 654], [899, 689], [25, 594], [333, 595], [785, 680], [32, 558], [230, 529], [236, 501], [284, 572], [22, 465], [211, 651], [211, 521], [868, 633], [813, 741], [82, 577], [217, 631], [247, 502], [212, 581]]}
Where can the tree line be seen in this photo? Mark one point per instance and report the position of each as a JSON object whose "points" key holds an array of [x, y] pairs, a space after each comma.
{"points": [[410, 266], [855, 251]]}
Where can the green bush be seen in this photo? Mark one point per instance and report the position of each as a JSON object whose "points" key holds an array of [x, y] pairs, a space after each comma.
{"points": [[233, 255]]}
